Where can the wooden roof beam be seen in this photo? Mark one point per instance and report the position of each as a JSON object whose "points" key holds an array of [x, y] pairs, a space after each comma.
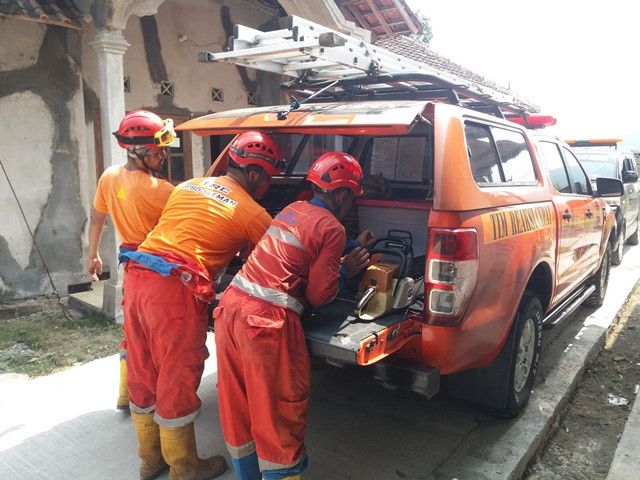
{"points": [[381, 20]]}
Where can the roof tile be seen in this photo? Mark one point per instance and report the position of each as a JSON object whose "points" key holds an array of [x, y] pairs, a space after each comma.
{"points": [[54, 12]]}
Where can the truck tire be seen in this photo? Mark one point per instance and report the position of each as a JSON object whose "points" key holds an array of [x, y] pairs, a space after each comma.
{"points": [[633, 239], [600, 280], [618, 252], [526, 333]]}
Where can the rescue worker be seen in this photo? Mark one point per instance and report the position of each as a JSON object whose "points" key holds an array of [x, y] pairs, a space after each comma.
{"points": [[263, 363], [134, 195], [169, 284]]}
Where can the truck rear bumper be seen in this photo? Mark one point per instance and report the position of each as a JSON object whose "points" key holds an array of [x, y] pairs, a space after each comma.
{"points": [[394, 373], [397, 373]]}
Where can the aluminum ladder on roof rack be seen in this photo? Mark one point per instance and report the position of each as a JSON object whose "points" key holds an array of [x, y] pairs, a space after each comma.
{"points": [[305, 46], [311, 53]]}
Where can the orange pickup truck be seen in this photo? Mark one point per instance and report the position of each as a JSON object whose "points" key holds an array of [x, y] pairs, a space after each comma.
{"points": [[488, 233]]}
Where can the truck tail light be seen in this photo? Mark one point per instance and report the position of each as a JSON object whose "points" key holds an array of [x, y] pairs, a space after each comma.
{"points": [[452, 270]]}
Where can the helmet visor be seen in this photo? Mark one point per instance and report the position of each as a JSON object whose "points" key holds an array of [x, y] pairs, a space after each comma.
{"points": [[166, 135]]}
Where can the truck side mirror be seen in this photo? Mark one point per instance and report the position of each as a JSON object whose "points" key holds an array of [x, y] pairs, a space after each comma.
{"points": [[609, 187]]}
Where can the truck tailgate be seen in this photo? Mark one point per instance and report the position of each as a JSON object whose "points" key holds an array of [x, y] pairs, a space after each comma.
{"points": [[334, 333]]}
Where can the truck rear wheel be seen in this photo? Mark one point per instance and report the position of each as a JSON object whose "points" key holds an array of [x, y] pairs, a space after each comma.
{"points": [[527, 334], [616, 256], [600, 280]]}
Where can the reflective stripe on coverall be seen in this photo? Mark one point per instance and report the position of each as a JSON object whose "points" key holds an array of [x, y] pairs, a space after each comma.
{"points": [[263, 363]]}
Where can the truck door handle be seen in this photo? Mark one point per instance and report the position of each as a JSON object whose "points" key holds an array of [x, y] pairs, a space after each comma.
{"points": [[567, 215], [589, 214]]}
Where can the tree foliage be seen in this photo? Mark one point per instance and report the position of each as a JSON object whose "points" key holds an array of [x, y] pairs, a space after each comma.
{"points": [[426, 34]]}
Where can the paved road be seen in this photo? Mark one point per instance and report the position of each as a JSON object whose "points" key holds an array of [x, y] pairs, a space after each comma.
{"points": [[63, 426]]}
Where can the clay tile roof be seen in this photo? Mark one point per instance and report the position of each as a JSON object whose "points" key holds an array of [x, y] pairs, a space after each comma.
{"points": [[54, 12], [383, 18]]}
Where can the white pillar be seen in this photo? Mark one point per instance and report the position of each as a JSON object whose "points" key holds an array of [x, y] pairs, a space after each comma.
{"points": [[110, 48]]}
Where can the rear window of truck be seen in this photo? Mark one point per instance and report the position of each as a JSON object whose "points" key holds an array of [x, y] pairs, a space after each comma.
{"points": [[498, 156], [300, 150], [398, 159], [406, 162]]}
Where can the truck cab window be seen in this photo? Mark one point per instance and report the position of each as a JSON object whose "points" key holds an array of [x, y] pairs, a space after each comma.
{"points": [[557, 171], [581, 183]]}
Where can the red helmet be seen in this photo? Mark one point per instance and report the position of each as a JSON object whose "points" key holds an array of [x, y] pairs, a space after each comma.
{"points": [[256, 148], [334, 170], [141, 127]]}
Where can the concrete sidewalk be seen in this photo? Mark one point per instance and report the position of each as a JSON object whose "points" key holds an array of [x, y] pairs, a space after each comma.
{"points": [[65, 426]]}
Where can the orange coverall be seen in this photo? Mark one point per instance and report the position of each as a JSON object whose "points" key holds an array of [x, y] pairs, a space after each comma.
{"points": [[169, 284], [263, 363], [135, 200]]}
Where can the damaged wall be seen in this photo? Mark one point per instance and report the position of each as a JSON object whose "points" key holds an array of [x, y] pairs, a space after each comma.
{"points": [[40, 100], [49, 97]]}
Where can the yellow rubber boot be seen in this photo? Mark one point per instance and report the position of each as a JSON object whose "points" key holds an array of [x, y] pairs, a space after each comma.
{"points": [[123, 391], [179, 450], [148, 446]]}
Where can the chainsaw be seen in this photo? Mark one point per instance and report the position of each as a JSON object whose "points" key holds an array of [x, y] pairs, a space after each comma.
{"points": [[385, 285]]}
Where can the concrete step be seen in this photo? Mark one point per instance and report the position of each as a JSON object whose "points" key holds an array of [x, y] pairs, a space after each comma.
{"points": [[89, 301]]}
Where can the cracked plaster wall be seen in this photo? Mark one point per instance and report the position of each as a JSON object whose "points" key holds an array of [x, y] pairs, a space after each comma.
{"points": [[49, 97], [39, 102]]}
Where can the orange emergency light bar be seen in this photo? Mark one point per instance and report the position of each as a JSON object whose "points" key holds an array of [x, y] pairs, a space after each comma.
{"points": [[598, 142], [534, 121]]}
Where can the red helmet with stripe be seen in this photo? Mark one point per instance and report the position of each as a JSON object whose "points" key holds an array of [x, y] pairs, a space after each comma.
{"points": [[334, 170], [256, 148], [141, 127]]}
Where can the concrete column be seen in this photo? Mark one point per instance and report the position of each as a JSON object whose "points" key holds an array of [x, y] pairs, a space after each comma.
{"points": [[110, 48]]}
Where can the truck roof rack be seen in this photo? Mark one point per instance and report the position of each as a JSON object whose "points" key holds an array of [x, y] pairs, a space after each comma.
{"points": [[329, 66]]}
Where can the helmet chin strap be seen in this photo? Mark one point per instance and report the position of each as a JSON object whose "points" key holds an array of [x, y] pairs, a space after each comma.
{"points": [[146, 168], [337, 206]]}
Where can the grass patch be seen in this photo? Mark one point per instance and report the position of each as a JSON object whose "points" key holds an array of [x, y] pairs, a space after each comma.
{"points": [[46, 342]]}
